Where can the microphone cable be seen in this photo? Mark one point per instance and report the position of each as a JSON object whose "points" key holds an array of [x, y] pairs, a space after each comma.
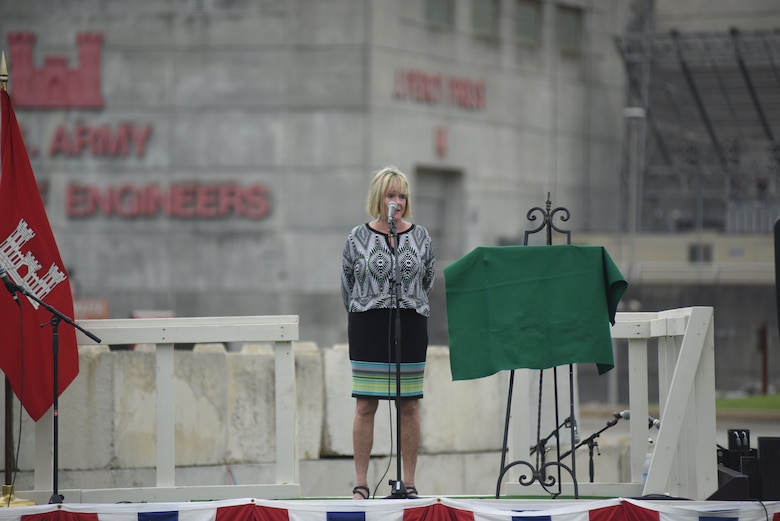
{"points": [[389, 405], [389, 402]]}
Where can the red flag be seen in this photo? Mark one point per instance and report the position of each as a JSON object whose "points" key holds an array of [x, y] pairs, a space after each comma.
{"points": [[30, 255]]}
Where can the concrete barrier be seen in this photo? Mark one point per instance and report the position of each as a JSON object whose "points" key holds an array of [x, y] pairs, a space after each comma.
{"points": [[225, 414]]}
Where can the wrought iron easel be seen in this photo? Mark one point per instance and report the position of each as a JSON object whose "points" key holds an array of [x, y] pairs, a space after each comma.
{"points": [[539, 470]]}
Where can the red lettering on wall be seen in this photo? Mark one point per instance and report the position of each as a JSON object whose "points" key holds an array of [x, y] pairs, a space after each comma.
{"points": [[60, 143], [256, 202], [183, 201], [467, 94], [441, 141], [418, 86], [100, 141], [229, 199], [82, 136], [152, 201], [119, 144], [125, 201], [140, 137], [78, 201], [104, 201], [206, 199], [423, 87]]}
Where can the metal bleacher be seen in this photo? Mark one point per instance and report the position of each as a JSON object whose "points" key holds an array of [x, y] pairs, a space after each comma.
{"points": [[711, 103]]}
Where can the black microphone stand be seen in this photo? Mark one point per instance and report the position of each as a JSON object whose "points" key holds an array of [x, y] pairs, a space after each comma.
{"points": [[56, 318], [592, 444], [398, 488]]}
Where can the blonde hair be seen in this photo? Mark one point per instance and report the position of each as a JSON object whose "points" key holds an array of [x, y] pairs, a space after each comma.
{"points": [[383, 180]]}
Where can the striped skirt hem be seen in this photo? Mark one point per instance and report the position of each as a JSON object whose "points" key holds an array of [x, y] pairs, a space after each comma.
{"points": [[377, 380]]}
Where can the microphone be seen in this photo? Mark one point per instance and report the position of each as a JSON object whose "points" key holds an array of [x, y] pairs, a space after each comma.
{"points": [[392, 206], [626, 415], [572, 422], [10, 286]]}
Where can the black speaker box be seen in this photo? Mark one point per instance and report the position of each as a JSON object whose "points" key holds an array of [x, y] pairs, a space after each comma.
{"points": [[749, 467], [733, 458], [769, 467]]}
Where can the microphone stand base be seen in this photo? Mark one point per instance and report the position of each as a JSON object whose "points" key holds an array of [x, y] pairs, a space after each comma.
{"points": [[399, 491]]}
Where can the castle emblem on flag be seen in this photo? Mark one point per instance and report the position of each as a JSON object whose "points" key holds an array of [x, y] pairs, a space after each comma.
{"points": [[13, 258]]}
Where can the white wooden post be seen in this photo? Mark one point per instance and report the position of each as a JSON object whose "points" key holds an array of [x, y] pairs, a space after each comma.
{"points": [[166, 417], [286, 419]]}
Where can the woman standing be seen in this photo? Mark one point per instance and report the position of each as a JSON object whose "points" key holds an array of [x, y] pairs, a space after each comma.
{"points": [[368, 290]]}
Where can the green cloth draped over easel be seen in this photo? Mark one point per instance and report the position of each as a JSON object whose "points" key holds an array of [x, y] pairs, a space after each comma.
{"points": [[535, 307]]}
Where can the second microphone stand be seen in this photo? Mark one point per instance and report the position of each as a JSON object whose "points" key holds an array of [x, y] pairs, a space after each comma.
{"points": [[56, 318]]}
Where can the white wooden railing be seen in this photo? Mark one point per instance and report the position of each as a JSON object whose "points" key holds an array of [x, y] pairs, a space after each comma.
{"points": [[165, 332], [684, 462]]}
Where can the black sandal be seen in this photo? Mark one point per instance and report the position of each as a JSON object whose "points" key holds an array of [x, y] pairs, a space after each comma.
{"points": [[412, 492], [359, 490]]}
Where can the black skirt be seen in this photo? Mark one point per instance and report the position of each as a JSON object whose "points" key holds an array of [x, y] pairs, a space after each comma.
{"points": [[372, 352]]}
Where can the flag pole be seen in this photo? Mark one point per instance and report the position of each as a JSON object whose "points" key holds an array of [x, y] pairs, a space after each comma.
{"points": [[8, 498]]}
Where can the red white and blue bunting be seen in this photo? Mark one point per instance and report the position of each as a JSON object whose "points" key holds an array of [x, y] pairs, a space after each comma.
{"points": [[423, 509]]}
